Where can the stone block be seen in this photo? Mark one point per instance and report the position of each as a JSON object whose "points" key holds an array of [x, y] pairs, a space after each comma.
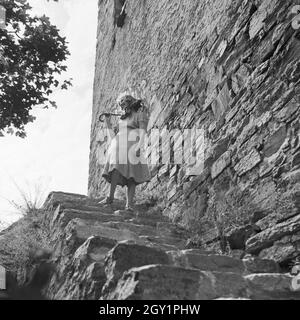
{"points": [[247, 163], [271, 286], [257, 265], [206, 262], [266, 238], [221, 164], [145, 283], [275, 141]]}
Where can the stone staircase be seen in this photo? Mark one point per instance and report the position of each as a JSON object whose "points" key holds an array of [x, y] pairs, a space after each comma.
{"points": [[102, 253]]}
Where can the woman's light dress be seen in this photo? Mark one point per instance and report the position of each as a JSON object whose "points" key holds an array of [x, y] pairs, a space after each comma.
{"points": [[122, 155]]}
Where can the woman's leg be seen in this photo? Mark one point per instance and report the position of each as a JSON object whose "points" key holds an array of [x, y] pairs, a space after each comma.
{"points": [[130, 194], [113, 184]]}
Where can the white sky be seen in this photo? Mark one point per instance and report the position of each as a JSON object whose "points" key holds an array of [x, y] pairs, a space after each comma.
{"points": [[54, 156]]}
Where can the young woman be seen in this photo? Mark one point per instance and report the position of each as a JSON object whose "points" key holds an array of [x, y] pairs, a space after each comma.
{"points": [[125, 163]]}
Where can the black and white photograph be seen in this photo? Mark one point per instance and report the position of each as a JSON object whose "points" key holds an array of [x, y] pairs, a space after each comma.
{"points": [[150, 154]]}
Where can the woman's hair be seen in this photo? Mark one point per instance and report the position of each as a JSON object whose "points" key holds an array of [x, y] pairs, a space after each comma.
{"points": [[129, 105]]}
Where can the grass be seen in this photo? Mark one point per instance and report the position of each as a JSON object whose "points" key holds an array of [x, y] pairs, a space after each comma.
{"points": [[236, 208], [3, 225], [28, 237], [31, 198], [228, 210]]}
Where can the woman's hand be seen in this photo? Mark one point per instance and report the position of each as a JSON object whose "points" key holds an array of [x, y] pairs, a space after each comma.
{"points": [[107, 119]]}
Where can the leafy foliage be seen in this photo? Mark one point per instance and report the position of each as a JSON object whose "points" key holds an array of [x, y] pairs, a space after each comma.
{"points": [[32, 58]]}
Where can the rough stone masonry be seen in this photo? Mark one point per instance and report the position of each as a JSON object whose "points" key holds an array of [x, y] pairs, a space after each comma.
{"points": [[229, 67]]}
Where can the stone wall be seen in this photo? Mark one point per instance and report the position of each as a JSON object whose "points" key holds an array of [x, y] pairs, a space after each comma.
{"points": [[229, 67]]}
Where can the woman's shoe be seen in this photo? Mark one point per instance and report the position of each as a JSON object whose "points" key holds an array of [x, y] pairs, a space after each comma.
{"points": [[106, 201]]}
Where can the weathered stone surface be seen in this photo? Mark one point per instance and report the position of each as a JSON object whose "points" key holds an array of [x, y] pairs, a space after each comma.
{"points": [[271, 286], [66, 215], [274, 218], [174, 242], [220, 164], [129, 255], [78, 202], [82, 276], [131, 227], [84, 283], [94, 249], [283, 251], [248, 162], [257, 265], [168, 229], [144, 283], [275, 141], [57, 198], [266, 238], [205, 262], [78, 231]]}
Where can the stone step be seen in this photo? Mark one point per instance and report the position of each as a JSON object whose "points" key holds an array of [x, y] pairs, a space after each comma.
{"points": [[87, 228], [168, 229], [178, 243], [149, 220], [271, 286], [143, 218], [164, 282], [136, 228], [160, 246], [257, 265], [80, 202], [150, 213], [206, 262], [62, 217], [79, 230], [127, 255], [109, 209], [142, 221], [55, 198]]}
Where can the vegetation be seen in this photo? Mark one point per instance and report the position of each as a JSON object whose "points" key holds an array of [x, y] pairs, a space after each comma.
{"points": [[32, 56], [229, 210], [22, 242], [30, 200], [236, 209], [3, 225]]}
